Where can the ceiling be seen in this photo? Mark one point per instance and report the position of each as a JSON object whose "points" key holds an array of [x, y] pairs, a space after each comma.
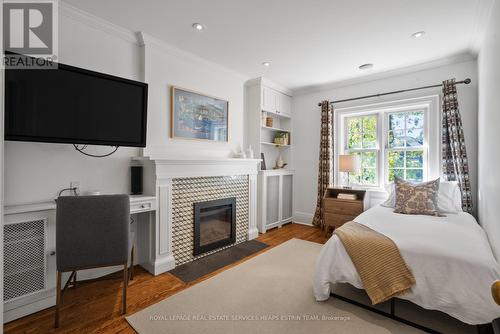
{"points": [[308, 42]]}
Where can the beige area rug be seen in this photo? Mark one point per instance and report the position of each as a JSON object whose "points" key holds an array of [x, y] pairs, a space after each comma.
{"points": [[270, 293]]}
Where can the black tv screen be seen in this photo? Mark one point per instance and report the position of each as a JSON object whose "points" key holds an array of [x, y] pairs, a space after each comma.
{"points": [[75, 106]]}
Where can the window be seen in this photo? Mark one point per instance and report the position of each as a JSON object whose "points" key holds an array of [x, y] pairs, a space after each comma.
{"points": [[398, 138], [405, 147], [362, 141]]}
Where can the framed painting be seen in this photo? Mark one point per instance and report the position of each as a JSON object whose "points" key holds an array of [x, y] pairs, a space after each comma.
{"points": [[198, 116]]}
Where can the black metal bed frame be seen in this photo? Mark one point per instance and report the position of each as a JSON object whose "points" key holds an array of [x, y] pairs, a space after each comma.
{"points": [[392, 315]]}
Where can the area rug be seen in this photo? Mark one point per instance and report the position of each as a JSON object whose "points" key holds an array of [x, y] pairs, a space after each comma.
{"points": [[193, 270], [270, 293]]}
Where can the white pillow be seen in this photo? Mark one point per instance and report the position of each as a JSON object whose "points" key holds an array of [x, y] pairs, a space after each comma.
{"points": [[391, 201], [449, 197]]}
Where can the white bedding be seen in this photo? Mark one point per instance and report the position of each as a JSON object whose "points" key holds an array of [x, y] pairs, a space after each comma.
{"points": [[450, 258]]}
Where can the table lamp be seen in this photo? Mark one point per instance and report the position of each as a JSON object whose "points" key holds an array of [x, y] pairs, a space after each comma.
{"points": [[349, 163]]}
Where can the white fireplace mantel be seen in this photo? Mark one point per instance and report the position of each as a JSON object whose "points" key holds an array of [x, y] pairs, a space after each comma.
{"points": [[158, 175], [186, 167]]}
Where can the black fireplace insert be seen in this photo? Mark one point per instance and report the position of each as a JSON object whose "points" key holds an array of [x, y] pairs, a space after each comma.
{"points": [[214, 224]]}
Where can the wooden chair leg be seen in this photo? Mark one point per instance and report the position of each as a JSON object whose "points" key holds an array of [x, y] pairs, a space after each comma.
{"points": [[58, 298], [132, 264], [125, 283]]}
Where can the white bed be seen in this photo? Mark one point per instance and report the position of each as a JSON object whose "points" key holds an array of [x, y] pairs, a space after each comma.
{"points": [[450, 258]]}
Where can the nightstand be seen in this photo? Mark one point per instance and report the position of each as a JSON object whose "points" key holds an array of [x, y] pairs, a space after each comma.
{"points": [[338, 211]]}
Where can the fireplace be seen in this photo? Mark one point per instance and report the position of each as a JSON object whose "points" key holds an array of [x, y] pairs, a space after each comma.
{"points": [[214, 224]]}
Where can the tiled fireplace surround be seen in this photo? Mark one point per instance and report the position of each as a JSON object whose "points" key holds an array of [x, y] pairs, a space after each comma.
{"points": [[177, 185]]}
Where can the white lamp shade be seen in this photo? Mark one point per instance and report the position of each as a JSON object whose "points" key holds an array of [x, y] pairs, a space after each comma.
{"points": [[349, 163]]}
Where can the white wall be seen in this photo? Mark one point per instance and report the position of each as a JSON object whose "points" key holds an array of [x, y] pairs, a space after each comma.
{"points": [[165, 67], [36, 171], [489, 131], [306, 129]]}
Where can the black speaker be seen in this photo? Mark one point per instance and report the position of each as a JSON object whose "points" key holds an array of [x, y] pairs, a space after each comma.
{"points": [[136, 180]]}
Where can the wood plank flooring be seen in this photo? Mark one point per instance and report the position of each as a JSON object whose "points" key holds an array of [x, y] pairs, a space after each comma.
{"points": [[95, 307]]}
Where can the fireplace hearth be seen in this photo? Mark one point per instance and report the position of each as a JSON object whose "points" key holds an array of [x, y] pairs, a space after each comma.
{"points": [[214, 224]]}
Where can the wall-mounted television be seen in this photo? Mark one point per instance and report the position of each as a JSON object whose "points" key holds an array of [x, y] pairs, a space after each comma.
{"points": [[75, 106]]}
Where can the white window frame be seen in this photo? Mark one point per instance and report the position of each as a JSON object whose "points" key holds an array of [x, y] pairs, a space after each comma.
{"points": [[432, 135], [376, 149], [425, 147]]}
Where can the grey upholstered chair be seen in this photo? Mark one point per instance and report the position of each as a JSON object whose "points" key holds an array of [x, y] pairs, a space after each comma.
{"points": [[92, 232]]}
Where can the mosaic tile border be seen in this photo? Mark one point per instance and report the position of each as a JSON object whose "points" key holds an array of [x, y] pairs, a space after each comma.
{"points": [[187, 191]]}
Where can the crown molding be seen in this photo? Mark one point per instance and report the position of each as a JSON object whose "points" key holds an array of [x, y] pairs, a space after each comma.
{"points": [[96, 22], [265, 82], [146, 40], [139, 38], [454, 59]]}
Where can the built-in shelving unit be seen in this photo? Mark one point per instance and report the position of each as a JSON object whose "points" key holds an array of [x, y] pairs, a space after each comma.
{"points": [[268, 102]]}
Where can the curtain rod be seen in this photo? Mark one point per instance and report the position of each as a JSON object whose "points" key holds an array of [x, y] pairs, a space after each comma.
{"points": [[466, 81]]}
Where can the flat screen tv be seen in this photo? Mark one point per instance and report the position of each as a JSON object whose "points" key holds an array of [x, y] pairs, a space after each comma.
{"points": [[75, 106]]}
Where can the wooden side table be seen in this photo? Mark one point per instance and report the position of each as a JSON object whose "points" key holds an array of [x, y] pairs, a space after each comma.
{"points": [[338, 211]]}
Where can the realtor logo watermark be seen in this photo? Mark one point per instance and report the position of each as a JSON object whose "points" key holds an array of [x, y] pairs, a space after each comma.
{"points": [[30, 34]]}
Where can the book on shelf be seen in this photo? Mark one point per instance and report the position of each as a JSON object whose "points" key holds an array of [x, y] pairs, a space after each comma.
{"points": [[347, 196]]}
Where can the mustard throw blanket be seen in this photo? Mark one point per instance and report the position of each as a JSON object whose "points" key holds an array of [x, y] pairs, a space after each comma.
{"points": [[382, 270]]}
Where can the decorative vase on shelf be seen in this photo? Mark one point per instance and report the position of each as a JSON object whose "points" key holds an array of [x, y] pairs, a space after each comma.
{"points": [[280, 163]]}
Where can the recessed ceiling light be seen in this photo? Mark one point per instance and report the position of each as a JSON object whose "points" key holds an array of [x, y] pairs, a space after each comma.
{"points": [[418, 34], [198, 26], [266, 64], [365, 67]]}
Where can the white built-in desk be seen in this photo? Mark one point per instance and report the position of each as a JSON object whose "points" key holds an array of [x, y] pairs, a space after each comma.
{"points": [[138, 204], [37, 220]]}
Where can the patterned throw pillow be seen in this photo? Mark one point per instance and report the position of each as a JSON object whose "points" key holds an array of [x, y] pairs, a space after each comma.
{"points": [[417, 199]]}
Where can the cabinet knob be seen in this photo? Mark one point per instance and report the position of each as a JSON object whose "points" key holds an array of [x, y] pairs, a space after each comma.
{"points": [[52, 253]]}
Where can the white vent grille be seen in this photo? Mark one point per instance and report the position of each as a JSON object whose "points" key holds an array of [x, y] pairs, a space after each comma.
{"points": [[24, 258]]}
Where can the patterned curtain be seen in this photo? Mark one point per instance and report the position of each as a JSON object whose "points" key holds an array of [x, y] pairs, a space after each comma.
{"points": [[325, 159], [455, 163]]}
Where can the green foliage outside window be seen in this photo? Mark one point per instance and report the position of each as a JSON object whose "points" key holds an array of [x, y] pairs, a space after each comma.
{"points": [[405, 146], [362, 135], [406, 135]]}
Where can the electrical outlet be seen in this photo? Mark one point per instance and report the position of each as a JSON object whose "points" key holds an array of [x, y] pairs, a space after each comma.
{"points": [[75, 184]]}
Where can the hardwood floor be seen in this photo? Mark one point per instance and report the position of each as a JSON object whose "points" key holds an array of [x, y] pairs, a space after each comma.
{"points": [[95, 307]]}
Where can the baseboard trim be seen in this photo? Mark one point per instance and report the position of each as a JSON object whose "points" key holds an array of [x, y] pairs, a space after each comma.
{"points": [[303, 218], [303, 223], [253, 233], [27, 309], [157, 267]]}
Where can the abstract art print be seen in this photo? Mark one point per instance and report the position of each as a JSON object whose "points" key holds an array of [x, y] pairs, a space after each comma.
{"points": [[198, 116]]}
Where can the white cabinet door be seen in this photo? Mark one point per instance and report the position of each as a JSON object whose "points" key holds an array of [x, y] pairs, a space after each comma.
{"points": [[276, 102], [285, 104], [269, 99], [286, 197], [272, 201]]}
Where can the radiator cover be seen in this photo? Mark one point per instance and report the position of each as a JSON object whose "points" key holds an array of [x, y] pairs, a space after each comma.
{"points": [[25, 262]]}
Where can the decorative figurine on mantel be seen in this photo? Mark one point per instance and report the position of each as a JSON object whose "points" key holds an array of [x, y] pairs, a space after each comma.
{"points": [[249, 152], [239, 154]]}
